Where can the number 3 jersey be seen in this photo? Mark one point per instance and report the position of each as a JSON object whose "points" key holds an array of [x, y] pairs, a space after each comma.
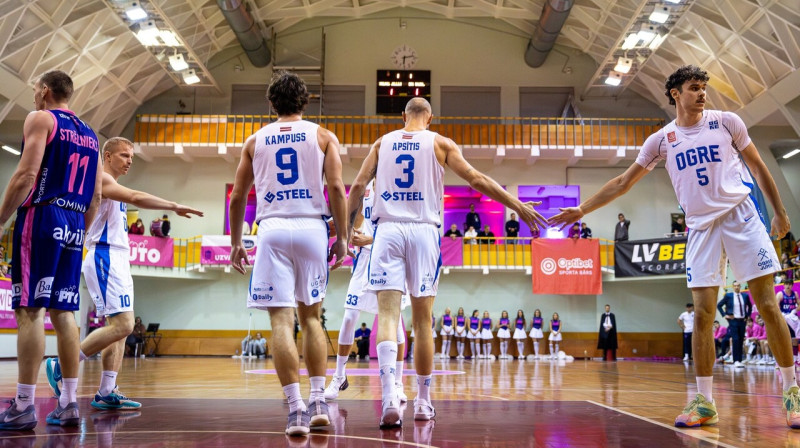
{"points": [[288, 170], [409, 183], [704, 164]]}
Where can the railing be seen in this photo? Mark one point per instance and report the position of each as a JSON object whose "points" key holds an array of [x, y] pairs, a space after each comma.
{"points": [[212, 130], [509, 253]]}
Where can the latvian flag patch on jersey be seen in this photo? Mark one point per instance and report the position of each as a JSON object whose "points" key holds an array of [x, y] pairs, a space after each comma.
{"points": [[407, 136], [286, 129]]}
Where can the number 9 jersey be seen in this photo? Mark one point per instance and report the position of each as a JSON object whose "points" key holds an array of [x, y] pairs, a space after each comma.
{"points": [[410, 181], [288, 169]]}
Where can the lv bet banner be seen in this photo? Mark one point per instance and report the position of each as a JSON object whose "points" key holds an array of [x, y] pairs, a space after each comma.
{"points": [[661, 256]]}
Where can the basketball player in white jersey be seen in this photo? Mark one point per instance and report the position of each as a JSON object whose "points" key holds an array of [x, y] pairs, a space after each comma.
{"points": [[360, 299], [288, 160], [408, 167], [706, 152], [107, 270]]}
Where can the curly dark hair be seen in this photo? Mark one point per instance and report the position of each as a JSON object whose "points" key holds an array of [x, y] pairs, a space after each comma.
{"points": [[287, 93], [59, 83], [680, 76]]}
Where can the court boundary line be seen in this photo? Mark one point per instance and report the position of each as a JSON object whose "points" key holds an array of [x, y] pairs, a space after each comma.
{"points": [[298, 438], [664, 425]]}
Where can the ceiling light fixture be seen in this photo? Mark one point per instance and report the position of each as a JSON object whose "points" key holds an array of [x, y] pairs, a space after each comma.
{"points": [[631, 41], [190, 77], [646, 33], [16, 152], [148, 34], [623, 65], [134, 11], [169, 38], [614, 78], [790, 154], [660, 14], [177, 62]]}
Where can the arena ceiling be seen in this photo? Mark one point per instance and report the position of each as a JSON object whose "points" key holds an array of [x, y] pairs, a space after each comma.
{"points": [[750, 47]]}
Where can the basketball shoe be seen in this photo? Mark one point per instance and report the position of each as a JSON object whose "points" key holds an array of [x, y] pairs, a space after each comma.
{"points": [[697, 413]]}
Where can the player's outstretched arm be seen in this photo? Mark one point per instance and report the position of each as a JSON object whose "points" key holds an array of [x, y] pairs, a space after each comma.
{"points": [[36, 129], [241, 187], [613, 189], [113, 190], [486, 185], [365, 174], [336, 195], [97, 196], [780, 221]]}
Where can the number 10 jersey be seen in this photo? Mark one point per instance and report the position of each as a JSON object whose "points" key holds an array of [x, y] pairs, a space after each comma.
{"points": [[409, 182], [288, 169]]}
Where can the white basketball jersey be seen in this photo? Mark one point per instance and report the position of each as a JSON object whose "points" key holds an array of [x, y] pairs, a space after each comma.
{"points": [[110, 226], [288, 170], [367, 228], [704, 165], [409, 183]]}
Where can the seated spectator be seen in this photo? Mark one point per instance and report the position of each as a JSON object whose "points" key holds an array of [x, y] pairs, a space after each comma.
{"points": [[165, 225], [4, 271], [136, 336], [453, 233], [362, 341], [473, 219], [2, 253], [586, 232], [470, 235], [486, 236], [678, 226], [254, 346], [137, 228], [574, 231], [512, 228], [719, 333]]}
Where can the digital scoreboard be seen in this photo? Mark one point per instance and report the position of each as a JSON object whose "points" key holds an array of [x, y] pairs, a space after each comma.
{"points": [[396, 87]]}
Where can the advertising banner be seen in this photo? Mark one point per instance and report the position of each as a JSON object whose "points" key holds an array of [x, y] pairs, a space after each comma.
{"points": [[7, 319], [566, 266], [151, 251], [660, 256]]}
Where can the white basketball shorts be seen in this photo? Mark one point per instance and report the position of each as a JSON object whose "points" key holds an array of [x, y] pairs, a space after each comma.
{"points": [[108, 278], [358, 296], [743, 237], [291, 263], [405, 253]]}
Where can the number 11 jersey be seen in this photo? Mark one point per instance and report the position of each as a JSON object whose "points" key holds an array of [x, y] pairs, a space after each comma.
{"points": [[409, 182], [288, 169]]}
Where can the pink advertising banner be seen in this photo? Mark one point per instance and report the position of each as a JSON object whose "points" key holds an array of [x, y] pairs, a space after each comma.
{"points": [[452, 252], [7, 319], [151, 251], [216, 249]]}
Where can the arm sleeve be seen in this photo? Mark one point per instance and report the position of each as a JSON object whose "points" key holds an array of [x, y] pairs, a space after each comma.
{"points": [[736, 127], [651, 152]]}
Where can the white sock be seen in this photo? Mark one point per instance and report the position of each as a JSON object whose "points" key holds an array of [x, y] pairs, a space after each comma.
{"points": [[25, 395], [292, 392], [487, 349], [520, 348], [69, 392], [460, 346], [82, 356], [317, 388], [536, 347], [341, 361], [476, 348], [556, 348], [551, 349], [424, 387], [704, 386], [398, 372], [387, 359], [108, 380], [789, 380]]}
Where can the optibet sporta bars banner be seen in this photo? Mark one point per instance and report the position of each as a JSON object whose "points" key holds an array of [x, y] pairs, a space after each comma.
{"points": [[566, 266]]}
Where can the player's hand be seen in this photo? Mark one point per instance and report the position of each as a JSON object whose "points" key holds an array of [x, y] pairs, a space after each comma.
{"points": [[780, 225], [338, 250], [185, 211], [531, 217], [567, 216], [359, 239], [239, 257]]}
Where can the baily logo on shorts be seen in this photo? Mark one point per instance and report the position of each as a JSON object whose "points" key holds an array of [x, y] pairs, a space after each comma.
{"points": [[256, 297], [377, 281], [44, 288], [765, 262], [16, 291], [68, 295]]}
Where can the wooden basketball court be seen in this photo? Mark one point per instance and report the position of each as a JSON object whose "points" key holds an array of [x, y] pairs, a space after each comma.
{"points": [[227, 402]]}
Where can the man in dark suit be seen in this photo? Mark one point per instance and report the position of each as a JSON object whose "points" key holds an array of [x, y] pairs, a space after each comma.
{"points": [[736, 306], [621, 231], [607, 339]]}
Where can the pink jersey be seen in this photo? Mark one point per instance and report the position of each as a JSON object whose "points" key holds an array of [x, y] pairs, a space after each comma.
{"points": [[720, 332], [759, 332]]}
